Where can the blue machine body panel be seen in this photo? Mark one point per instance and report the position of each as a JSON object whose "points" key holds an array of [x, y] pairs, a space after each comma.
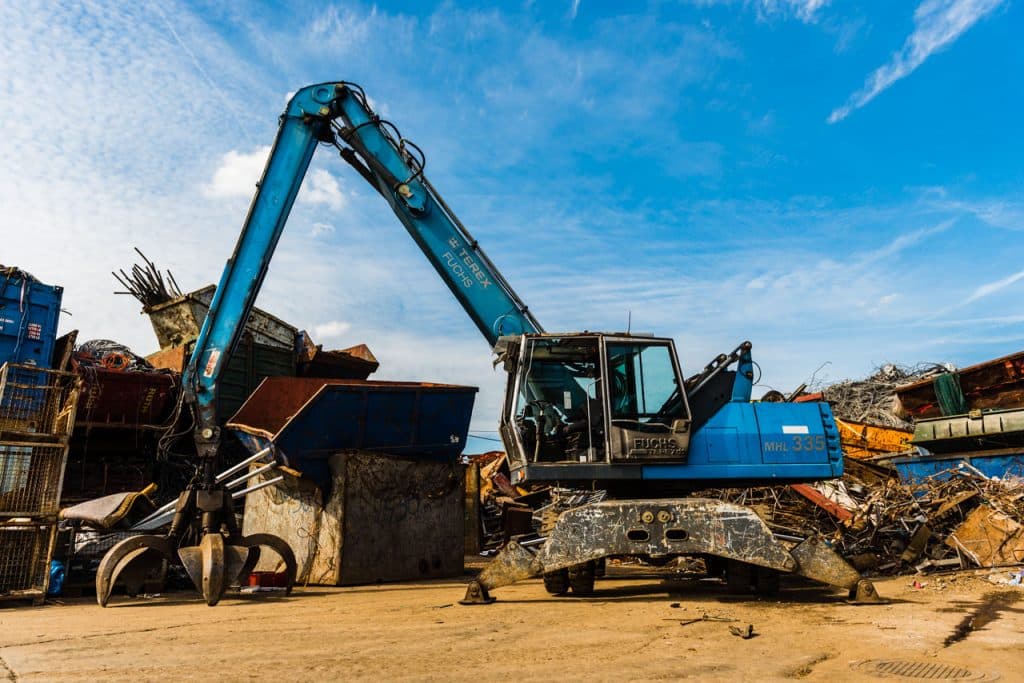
{"points": [[309, 419], [783, 442], [29, 313]]}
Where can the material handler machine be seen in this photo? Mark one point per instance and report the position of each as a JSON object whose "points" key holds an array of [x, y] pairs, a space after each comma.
{"points": [[594, 410]]}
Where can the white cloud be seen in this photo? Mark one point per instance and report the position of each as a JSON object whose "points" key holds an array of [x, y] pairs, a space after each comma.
{"points": [[320, 187], [237, 174], [334, 329], [937, 24], [322, 229], [804, 10], [993, 287]]}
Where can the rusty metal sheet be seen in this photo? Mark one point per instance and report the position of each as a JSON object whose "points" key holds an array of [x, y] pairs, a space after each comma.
{"points": [[989, 538], [997, 383], [812, 494]]}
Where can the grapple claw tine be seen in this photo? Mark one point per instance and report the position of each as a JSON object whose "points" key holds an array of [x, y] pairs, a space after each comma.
{"points": [[211, 563], [251, 560], [123, 554], [279, 546]]}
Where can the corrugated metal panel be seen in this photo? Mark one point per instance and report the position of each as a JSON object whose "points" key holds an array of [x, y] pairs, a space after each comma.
{"points": [[29, 312], [250, 364]]}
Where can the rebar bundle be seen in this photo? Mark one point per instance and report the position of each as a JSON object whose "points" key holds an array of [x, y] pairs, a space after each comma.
{"points": [[147, 284]]}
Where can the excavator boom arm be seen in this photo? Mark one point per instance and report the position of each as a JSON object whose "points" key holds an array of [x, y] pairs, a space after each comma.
{"points": [[339, 114]]}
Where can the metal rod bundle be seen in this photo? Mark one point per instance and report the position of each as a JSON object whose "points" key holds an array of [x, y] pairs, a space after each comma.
{"points": [[147, 284]]}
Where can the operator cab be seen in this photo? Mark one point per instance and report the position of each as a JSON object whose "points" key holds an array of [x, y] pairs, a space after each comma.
{"points": [[591, 406]]}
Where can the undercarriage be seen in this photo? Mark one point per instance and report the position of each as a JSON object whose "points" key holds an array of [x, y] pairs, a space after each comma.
{"points": [[731, 538]]}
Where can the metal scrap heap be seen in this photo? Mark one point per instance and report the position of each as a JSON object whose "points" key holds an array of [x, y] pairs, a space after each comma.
{"points": [[873, 400], [959, 520]]}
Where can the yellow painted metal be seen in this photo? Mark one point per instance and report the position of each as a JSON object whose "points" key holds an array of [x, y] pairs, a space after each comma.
{"points": [[864, 441]]}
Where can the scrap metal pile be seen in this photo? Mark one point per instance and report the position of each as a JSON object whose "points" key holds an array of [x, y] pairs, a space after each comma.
{"points": [[507, 510], [884, 525], [873, 400]]}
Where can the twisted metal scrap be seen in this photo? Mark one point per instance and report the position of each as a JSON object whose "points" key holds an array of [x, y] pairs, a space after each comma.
{"points": [[886, 516], [873, 400]]}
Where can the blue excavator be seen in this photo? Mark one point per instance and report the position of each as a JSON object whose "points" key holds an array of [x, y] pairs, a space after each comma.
{"points": [[594, 410]]}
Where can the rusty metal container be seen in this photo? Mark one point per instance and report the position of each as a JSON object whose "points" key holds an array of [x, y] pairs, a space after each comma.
{"points": [[308, 419], [178, 321], [997, 383], [383, 519], [123, 399]]}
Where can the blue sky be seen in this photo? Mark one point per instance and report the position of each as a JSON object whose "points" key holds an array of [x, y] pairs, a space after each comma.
{"points": [[839, 182]]}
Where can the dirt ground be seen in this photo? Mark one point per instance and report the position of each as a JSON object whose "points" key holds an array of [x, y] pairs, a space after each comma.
{"points": [[635, 628]]}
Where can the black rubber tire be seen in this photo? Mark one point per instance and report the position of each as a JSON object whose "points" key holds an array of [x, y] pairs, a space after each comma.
{"points": [[581, 579], [715, 566], [557, 582], [766, 581], [739, 577]]}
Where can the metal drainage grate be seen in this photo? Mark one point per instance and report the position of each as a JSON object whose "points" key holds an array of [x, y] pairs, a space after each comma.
{"points": [[899, 668]]}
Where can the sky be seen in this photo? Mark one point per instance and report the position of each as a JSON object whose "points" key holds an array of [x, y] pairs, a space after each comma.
{"points": [[838, 182]]}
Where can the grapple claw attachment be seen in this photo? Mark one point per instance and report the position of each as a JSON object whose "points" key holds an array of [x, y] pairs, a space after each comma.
{"points": [[135, 552], [279, 546], [212, 565]]}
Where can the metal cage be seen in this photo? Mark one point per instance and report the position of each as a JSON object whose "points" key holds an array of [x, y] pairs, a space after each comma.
{"points": [[25, 551], [31, 478], [36, 403]]}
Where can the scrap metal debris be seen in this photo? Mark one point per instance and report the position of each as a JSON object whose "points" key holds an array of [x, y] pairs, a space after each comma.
{"points": [[744, 633], [873, 400], [959, 518]]}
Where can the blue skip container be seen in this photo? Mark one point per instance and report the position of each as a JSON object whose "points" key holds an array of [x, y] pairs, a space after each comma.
{"points": [[308, 419], [29, 312]]}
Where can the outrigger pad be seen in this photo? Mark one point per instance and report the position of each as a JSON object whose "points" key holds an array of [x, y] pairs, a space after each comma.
{"points": [[865, 594], [476, 595]]}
